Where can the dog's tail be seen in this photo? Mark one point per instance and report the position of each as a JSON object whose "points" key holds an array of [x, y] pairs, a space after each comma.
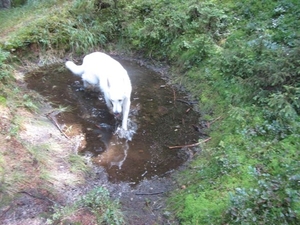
{"points": [[75, 69]]}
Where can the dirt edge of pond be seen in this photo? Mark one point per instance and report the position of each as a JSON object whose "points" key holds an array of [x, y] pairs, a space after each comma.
{"points": [[40, 153]]}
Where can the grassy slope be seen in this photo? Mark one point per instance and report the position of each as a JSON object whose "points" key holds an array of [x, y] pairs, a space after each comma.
{"points": [[240, 60], [252, 165]]}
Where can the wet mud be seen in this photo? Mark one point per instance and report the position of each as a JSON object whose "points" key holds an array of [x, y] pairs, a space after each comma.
{"points": [[160, 117]]}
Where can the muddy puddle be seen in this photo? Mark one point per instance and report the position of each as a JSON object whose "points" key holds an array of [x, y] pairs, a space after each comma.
{"points": [[160, 117]]}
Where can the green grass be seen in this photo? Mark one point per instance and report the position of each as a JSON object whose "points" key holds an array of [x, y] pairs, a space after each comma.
{"points": [[22, 16], [50, 25]]}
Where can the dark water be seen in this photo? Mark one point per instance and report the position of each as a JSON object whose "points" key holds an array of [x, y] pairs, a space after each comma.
{"points": [[158, 119]]}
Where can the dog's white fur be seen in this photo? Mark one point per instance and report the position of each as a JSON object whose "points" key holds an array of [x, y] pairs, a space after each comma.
{"points": [[100, 70]]}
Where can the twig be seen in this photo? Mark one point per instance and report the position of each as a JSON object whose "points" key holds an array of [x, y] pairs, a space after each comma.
{"points": [[174, 97], [183, 101], [155, 193], [56, 124], [5, 210], [190, 145], [219, 117], [38, 197], [186, 102], [209, 123]]}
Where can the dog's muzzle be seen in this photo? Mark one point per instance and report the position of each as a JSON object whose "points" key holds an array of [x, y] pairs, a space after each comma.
{"points": [[117, 115]]}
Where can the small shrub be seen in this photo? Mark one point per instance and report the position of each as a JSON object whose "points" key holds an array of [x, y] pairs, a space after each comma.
{"points": [[5, 69], [275, 200], [98, 202]]}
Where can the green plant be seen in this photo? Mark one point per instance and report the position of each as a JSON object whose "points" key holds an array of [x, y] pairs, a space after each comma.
{"points": [[18, 3], [98, 202], [78, 163], [275, 200], [189, 29], [28, 103], [5, 69], [2, 100]]}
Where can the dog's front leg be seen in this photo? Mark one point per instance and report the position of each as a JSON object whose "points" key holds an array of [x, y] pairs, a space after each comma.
{"points": [[109, 104], [126, 108], [85, 84]]}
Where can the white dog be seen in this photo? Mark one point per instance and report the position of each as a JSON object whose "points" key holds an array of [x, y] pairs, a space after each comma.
{"points": [[100, 70]]}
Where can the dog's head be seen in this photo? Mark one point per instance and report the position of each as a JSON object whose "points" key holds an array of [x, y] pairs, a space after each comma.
{"points": [[116, 99], [117, 106], [117, 95]]}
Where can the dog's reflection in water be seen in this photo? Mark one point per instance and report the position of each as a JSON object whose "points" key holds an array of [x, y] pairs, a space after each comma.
{"points": [[116, 152], [116, 145]]}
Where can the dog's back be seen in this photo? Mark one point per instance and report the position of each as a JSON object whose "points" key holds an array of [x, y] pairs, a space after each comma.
{"points": [[111, 74]]}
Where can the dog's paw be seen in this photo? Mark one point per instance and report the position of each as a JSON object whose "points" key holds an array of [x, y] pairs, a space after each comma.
{"points": [[126, 134]]}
